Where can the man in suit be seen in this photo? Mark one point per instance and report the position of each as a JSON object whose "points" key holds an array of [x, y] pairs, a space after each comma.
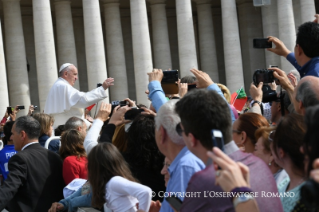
{"points": [[202, 111], [35, 177]]}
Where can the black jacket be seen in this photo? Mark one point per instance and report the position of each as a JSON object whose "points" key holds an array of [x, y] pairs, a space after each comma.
{"points": [[34, 181]]}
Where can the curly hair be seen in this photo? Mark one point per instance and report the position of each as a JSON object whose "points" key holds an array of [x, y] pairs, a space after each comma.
{"points": [[141, 145], [72, 144], [105, 162]]}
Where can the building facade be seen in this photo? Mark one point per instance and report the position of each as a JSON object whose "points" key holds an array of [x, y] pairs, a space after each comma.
{"points": [[125, 39]]}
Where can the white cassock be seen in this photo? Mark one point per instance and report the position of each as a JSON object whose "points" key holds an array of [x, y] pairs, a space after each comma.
{"points": [[64, 101]]}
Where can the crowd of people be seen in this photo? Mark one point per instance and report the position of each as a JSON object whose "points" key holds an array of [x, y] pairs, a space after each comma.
{"points": [[190, 152]]}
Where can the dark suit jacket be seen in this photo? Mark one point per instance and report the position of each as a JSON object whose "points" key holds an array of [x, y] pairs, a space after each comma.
{"points": [[34, 181]]}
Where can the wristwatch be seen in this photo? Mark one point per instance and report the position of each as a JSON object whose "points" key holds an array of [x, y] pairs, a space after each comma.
{"points": [[242, 198], [260, 104]]}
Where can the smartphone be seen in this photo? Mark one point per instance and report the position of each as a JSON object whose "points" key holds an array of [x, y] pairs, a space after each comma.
{"points": [[169, 80], [262, 43], [9, 110], [175, 202], [131, 114], [21, 107], [191, 86], [217, 141]]}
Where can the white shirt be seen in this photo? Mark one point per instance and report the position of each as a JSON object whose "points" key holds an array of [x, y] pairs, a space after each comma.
{"points": [[64, 101], [92, 135], [25, 146], [122, 195]]}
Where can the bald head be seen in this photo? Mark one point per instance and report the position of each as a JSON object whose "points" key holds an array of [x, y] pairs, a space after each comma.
{"points": [[307, 93]]}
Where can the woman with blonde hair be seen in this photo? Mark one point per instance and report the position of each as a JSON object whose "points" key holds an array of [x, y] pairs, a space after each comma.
{"points": [[227, 96], [74, 156], [46, 123]]}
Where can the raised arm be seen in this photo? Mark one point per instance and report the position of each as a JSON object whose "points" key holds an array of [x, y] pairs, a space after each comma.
{"points": [[92, 136]]}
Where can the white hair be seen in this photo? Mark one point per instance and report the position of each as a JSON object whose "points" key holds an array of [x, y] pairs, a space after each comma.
{"points": [[66, 69], [167, 117]]}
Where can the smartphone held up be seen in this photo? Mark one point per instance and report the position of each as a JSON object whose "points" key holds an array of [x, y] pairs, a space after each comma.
{"points": [[262, 43]]}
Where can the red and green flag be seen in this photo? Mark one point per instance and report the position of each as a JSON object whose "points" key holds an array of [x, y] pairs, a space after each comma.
{"points": [[239, 99]]}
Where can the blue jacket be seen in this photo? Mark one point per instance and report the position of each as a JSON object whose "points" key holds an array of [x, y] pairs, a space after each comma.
{"points": [[311, 68], [54, 144]]}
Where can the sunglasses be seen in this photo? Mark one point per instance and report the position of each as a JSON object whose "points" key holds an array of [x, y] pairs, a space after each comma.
{"points": [[179, 129]]}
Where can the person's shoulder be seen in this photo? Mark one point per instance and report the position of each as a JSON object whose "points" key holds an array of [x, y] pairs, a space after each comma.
{"points": [[203, 179], [190, 159]]}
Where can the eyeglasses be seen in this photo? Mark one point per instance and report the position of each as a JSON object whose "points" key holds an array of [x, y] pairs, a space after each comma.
{"points": [[236, 131], [271, 135], [179, 129]]}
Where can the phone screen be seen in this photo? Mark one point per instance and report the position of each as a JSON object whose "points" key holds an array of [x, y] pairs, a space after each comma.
{"points": [[175, 202], [191, 86], [9, 110], [262, 43]]}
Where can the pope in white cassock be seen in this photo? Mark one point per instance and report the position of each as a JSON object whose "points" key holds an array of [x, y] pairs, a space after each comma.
{"points": [[64, 101]]}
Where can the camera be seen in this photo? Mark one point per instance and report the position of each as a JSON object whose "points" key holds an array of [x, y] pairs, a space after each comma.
{"points": [[35, 107], [119, 103], [265, 76], [310, 194]]}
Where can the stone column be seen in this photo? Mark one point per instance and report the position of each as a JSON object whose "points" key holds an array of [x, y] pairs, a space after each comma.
{"points": [[307, 10], [65, 35], [232, 48], [186, 37], [251, 27], [218, 29], [161, 45], [128, 46], [44, 48], [287, 32], [270, 28], [16, 56], [80, 48], [141, 48], [94, 44], [28, 31], [3, 78], [208, 56], [173, 37], [115, 49]]}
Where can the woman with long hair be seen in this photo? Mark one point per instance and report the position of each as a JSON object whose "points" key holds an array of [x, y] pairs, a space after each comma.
{"points": [[74, 156], [142, 154], [263, 151], [112, 182], [286, 142]]}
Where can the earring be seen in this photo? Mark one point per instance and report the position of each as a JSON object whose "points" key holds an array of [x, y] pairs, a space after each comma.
{"points": [[270, 163]]}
